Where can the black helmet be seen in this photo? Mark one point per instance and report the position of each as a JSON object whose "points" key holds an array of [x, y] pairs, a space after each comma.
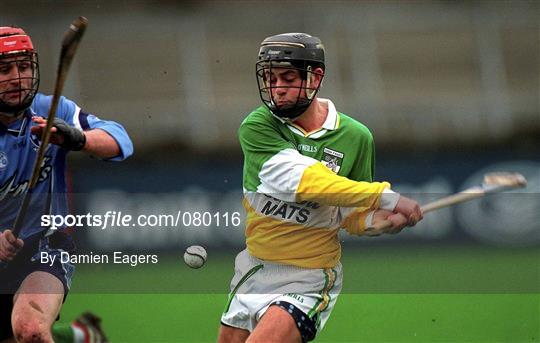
{"points": [[17, 92], [298, 51]]}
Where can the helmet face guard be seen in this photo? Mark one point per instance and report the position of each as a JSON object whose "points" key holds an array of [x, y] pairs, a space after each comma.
{"points": [[296, 51], [306, 90], [19, 71]]}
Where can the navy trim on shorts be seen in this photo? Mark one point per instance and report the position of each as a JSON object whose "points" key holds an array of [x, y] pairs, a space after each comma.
{"points": [[306, 325]]}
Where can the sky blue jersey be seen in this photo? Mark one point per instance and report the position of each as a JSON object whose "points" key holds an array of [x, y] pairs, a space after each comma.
{"points": [[18, 151]]}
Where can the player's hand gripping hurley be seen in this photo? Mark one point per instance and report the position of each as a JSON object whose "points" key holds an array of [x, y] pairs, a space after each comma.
{"points": [[70, 43], [493, 183]]}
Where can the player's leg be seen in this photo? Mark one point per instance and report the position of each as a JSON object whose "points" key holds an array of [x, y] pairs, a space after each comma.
{"points": [[36, 306], [229, 334], [84, 329], [238, 319], [87, 327], [276, 325], [297, 317]]}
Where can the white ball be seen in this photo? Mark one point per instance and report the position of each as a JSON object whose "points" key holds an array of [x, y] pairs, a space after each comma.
{"points": [[195, 256]]}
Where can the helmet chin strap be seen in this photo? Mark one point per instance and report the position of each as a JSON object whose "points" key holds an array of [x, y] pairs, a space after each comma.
{"points": [[291, 113]]}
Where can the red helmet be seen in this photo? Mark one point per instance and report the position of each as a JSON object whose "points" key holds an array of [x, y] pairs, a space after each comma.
{"points": [[13, 40], [19, 71]]}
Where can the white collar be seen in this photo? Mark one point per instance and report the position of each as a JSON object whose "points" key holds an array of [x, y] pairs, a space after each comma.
{"points": [[331, 121]]}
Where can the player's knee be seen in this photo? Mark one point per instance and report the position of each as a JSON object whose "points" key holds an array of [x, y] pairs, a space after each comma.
{"points": [[31, 331], [276, 325]]}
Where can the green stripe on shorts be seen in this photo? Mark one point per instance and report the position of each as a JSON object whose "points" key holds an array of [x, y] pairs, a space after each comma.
{"points": [[240, 283]]}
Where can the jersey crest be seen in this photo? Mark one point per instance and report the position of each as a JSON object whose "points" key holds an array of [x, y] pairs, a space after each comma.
{"points": [[332, 159]]}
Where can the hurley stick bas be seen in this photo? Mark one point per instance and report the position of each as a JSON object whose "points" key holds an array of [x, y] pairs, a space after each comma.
{"points": [[493, 183]]}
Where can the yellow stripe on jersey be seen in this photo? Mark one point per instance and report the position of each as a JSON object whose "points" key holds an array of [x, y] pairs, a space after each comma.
{"points": [[318, 183], [289, 243]]}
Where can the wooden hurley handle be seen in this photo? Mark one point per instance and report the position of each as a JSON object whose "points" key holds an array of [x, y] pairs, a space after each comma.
{"points": [[460, 197]]}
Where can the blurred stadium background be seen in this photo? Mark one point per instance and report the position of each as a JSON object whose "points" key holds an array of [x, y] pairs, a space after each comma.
{"points": [[450, 90]]}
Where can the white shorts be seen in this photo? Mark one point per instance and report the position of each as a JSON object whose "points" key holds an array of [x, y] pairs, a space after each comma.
{"points": [[257, 284]]}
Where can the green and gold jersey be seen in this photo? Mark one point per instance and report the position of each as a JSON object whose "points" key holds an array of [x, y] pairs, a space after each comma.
{"points": [[301, 187]]}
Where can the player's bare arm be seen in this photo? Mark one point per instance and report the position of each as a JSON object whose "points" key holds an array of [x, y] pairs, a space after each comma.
{"points": [[95, 142], [100, 144]]}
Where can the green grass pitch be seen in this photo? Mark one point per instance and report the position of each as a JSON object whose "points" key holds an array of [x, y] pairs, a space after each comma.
{"points": [[390, 294]]}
